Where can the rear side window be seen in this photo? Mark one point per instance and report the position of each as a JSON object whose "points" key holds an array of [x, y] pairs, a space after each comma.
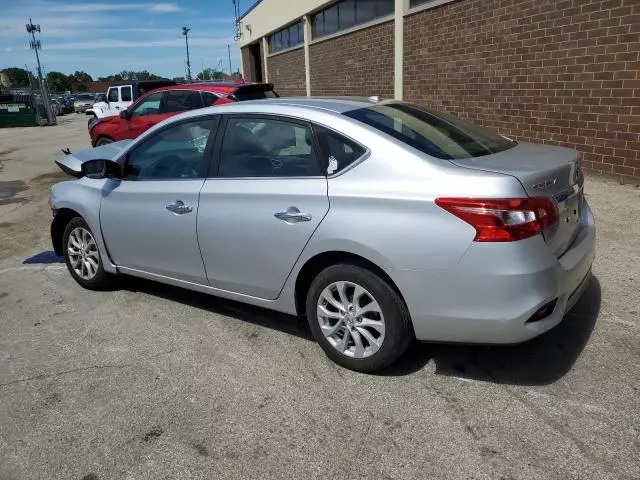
{"points": [[181, 101], [337, 151], [208, 98], [125, 93], [433, 133]]}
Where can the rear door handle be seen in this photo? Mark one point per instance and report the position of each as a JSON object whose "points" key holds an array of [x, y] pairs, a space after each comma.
{"points": [[292, 215], [179, 207]]}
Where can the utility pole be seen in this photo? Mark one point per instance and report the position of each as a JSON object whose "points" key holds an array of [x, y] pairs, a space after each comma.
{"points": [[185, 32], [35, 45], [229, 51]]}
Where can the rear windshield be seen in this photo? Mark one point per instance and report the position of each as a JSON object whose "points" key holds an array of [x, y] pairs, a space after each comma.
{"points": [[254, 93], [436, 134]]}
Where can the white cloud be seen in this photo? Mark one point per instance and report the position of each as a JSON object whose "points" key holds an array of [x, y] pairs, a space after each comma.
{"points": [[106, 7], [97, 44], [8, 49], [165, 8]]}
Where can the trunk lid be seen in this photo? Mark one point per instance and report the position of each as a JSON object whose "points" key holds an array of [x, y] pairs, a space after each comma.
{"points": [[543, 171], [71, 163]]}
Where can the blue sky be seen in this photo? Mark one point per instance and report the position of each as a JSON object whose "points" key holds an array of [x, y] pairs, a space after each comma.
{"points": [[105, 37]]}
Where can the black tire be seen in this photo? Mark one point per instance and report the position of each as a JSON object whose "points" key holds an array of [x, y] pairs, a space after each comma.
{"points": [[101, 280], [103, 141], [398, 329]]}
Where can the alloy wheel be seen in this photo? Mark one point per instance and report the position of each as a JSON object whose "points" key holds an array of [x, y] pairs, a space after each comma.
{"points": [[83, 253], [351, 319]]}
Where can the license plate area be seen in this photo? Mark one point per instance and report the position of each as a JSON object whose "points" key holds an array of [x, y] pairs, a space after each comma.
{"points": [[569, 210]]}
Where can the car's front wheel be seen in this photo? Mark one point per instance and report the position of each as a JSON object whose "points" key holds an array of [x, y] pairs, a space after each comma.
{"points": [[358, 319], [82, 256], [103, 141]]}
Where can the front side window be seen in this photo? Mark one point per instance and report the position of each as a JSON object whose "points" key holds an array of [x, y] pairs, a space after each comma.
{"points": [[181, 101], [148, 106], [436, 134], [113, 94], [175, 153], [125, 93], [267, 148]]}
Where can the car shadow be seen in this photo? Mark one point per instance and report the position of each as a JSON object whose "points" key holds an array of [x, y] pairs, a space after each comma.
{"points": [[540, 361], [258, 316], [43, 258]]}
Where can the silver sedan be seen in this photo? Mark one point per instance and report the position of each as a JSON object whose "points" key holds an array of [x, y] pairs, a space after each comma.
{"points": [[380, 221]]}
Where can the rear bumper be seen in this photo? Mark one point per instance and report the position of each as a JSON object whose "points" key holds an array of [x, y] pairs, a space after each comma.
{"points": [[497, 287]]}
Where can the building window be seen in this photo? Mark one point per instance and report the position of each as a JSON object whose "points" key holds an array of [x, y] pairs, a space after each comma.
{"points": [[416, 3], [287, 37], [349, 13]]}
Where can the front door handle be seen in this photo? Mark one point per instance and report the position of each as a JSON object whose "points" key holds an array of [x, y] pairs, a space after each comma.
{"points": [[293, 215], [179, 207]]}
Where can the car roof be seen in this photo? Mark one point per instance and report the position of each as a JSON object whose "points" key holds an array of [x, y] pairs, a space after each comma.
{"points": [[333, 104]]}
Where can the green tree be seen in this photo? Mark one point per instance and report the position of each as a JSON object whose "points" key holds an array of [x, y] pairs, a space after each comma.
{"points": [[18, 77], [58, 82], [210, 74], [80, 76]]}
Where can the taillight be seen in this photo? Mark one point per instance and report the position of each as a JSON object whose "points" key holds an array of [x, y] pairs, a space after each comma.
{"points": [[503, 219]]}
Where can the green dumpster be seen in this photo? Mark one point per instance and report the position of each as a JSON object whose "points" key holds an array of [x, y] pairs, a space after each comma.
{"points": [[18, 114]]}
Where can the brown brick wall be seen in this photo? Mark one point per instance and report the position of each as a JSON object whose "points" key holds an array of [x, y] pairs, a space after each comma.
{"points": [[562, 72], [286, 72], [360, 63]]}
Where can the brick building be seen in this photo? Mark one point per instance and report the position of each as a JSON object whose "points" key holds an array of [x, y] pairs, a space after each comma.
{"points": [[562, 72]]}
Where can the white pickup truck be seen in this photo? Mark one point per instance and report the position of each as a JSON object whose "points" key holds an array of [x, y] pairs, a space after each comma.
{"points": [[121, 95]]}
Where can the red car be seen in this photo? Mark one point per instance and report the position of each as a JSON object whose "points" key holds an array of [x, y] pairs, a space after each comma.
{"points": [[161, 103]]}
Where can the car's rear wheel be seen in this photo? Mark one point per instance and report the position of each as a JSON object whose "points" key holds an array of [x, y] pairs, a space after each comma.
{"points": [[82, 256], [358, 319], [103, 141]]}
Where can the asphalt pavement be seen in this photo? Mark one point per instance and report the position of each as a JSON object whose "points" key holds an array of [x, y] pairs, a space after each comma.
{"points": [[154, 382]]}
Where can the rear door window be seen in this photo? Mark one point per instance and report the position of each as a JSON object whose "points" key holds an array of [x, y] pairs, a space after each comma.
{"points": [[181, 101], [125, 93], [267, 147]]}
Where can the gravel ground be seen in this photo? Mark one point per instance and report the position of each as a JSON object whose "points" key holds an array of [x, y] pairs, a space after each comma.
{"points": [[154, 382]]}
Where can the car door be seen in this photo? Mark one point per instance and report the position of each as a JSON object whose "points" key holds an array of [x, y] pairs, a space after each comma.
{"points": [[258, 213], [143, 115], [148, 218], [113, 102]]}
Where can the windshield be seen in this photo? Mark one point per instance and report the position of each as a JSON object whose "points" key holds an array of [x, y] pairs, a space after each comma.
{"points": [[85, 96], [436, 134]]}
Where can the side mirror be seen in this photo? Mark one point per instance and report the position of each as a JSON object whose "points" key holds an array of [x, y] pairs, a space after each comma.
{"points": [[124, 114], [101, 169]]}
